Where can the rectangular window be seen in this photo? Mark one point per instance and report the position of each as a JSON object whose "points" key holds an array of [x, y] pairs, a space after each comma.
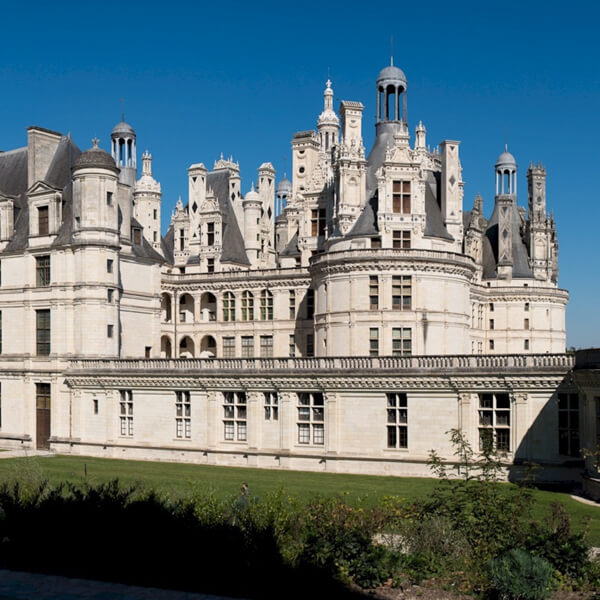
{"points": [[401, 239], [109, 265], [0, 332], [266, 346], [155, 236], [318, 222], [95, 405], [401, 292], [183, 415], [210, 234], [525, 323], [373, 292], [109, 295], [526, 306], [525, 344], [292, 345], [210, 265], [43, 220], [126, 412], [266, 305], [494, 421], [42, 395], [397, 420], [42, 271], [247, 346], [228, 306], [491, 344], [401, 341], [235, 416], [311, 418], [271, 406], [401, 197], [137, 236], [42, 332], [109, 198], [228, 347], [373, 341], [181, 240], [292, 304], [310, 303], [110, 330], [491, 307], [568, 424], [155, 214], [491, 323], [310, 344]]}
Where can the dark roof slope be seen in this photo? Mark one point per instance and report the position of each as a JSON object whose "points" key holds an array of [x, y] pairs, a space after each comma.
{"points": [[292, 248], [434, 223], [366, 224], [13, 172], [65, 156]]}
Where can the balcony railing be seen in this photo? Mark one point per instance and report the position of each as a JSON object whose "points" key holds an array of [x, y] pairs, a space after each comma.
{"points": [[351, 364]]}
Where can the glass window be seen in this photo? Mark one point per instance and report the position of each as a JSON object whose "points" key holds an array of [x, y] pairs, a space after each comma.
{"points": [[266, 305], [568, 424], [235, 416], [183, 414], [397, 420], [401, 197], [42, 270], [271, 406], [42, 220], [126, 412], [373, 292], [373, 341], [247, 346], [401, 292], [43, 332], [228, 347], [494, 421], [247, 306], [311, 418], [401, 341]]}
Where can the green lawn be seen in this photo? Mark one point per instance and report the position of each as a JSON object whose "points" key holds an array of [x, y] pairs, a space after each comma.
{"points": [[178, 479]]}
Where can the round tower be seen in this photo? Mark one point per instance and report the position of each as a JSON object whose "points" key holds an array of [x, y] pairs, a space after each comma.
{"points": [[147, 195], [124, 152], [251, 205]]}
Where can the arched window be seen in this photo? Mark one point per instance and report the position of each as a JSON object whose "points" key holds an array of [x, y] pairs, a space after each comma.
{"points": [[228, 306], [266, 306], [247, 306]]}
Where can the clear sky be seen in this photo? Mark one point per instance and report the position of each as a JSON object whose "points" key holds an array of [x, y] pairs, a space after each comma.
{"points": [[201, 78]]}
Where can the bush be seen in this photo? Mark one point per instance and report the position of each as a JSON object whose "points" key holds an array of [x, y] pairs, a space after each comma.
{"points": [[518, 575]]}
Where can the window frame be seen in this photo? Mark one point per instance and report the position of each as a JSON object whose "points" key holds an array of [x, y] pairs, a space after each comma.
{"points": [[397, 420], [310, 418]]}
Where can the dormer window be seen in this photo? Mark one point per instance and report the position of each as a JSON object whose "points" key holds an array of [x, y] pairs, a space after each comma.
{"points": [[137, 236], [43, 220], [210, 234], [401, 197]]}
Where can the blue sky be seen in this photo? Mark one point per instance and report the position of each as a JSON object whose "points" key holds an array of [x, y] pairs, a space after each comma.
{"points": [[240, 78]]}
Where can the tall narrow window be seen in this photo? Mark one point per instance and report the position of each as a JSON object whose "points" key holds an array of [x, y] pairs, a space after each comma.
{"points": [[494, 421], [110, 330], [228, 347], [210, 234], [266, 305], [401, 292], [247, 306], [228, 306], [110, 295], [266, 346], [0, 332], [311, 418], [401, 341], [182, 239], [525, 344], [183, 414], [373, 341], [247, 346], [568, 424], [271, 406], [109, 198], [397, 420], [310, 344], [401, 239], [42, 332], [374, 292], [137, 236], [109, 265], [491, 344], [126, 412], [526, 306], [401, 197], [42, 220], [525, 323], [318, 222], [292, 304], [310, 303], [235, 416], [292, 345], [42, 271], [210, 265], [491, 323]]}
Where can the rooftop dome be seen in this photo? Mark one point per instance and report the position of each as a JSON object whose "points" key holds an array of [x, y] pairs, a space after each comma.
{"points": [[252, 195], [284, 186], [506, 159], [391, 74], [123, 128], [95, 157]]}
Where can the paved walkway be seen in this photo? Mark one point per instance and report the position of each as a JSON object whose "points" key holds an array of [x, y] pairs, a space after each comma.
{"points": [[17, 585]]}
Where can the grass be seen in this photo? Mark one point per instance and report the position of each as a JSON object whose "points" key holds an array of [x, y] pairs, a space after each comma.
{"points": [[178, 480]]}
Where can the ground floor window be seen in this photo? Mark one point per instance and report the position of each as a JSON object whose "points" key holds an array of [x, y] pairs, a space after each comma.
{"points": [[494, 421], [271, 406], [568, 424], [235, 416], [397, 420], [126, 412], [311, 418], [183, 414]]}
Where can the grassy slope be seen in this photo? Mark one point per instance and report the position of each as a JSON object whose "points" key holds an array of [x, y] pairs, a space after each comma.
{"points": [[178, 479]]}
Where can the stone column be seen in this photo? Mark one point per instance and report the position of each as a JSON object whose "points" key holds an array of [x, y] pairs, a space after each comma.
{"points": [[287, 420], [254, 420], [332, 425], [519, 425], [214, 425]]}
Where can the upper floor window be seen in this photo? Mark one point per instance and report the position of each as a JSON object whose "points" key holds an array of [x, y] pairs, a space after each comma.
{"points": [[109, 198], [137, 236], [43, 220], [181, 240], [292, 304], [568, 424], [228, 347], [42, 271], [247, 306], [401, 197], [310, 303], [210, 234], [271, 406], [401, 292], [401, 239], [109, 265], [310, 344], [210, 265], [266, 305], [401, 341], [374, 292], [235, 416], [266, 346], [292, 345], [228, 306], [43, 332], [318, 222], [247, 346], [373, 341]]}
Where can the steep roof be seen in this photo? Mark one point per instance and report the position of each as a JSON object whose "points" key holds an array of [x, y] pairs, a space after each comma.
{"points": [[292, 247], [434, 223], [366, 224], [13, 172]]}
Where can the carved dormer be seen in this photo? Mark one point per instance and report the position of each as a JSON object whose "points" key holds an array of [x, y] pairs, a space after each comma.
{"points": [[45, 212], [180, 222]]}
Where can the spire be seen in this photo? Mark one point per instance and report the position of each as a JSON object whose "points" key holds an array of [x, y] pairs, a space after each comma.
{"points": [[147, 164]]}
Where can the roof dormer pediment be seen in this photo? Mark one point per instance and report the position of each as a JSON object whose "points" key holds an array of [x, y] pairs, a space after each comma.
{"points": [[40, 188]]}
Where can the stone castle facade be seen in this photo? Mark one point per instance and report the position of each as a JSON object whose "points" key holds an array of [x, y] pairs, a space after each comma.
{"points": [[343, 320]]}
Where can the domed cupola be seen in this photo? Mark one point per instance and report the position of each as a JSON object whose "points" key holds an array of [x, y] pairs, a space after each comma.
{"points": [[124, 152], [506, 174], [391, 94], [328, 124], [95, 158], [283, 192]]}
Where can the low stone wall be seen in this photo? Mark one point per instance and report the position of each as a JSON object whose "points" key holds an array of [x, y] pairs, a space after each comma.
{"points": [[591, 487]]}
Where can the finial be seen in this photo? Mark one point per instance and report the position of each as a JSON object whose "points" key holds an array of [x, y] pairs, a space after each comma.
{"points": [[505, 147], [95, 141], [391, 51], [252, 187], [123, 110], [328, 84]]}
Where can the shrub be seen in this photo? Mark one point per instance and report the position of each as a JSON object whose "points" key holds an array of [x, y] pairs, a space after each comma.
{"points": [[517, 575]]}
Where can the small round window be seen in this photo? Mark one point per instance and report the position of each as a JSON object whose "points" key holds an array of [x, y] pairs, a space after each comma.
{"points": [[301, 170]]}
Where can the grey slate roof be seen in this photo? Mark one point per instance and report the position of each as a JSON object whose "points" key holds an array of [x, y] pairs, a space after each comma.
{"points": [[234, 249], [166, 244], [292, 248], [521, 267], [366, 224], [13, 172], [434, 223], [145, 249]]}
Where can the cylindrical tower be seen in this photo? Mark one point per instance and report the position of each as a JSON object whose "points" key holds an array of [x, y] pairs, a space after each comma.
{"points": [[123, 151]]}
